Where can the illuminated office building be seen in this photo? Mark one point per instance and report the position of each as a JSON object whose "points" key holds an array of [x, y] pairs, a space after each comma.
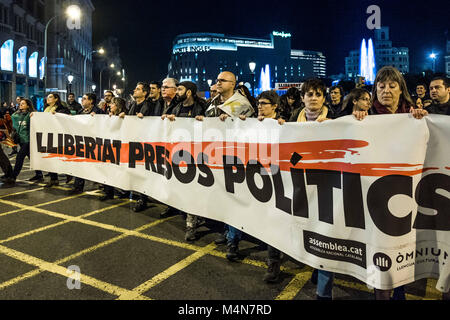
{"points": [[22, 25], [200, 57]]}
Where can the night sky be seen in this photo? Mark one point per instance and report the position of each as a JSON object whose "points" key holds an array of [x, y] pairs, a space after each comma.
{"points": [[146, 28]]}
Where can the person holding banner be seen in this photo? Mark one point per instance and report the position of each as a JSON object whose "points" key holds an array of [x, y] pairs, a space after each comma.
{"points": [[229, 103], [54, 105], [390, 96], [189, 106], [89, 104], [268, 102], [357, 100], [116, 106], [314, 94]]}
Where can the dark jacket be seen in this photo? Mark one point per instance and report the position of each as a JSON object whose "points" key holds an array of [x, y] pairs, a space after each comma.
{"points": [[198, 108], [436, 108], [136, 108], [74, 107], [153, 108], [169, 108], [62, 109], [95, 110], [335, 111], [378, 108]]}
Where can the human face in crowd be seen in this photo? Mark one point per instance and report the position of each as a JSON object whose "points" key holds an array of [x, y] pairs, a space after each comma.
{"points": [[113, 108], [314, 100], [71, 98], [18, 100], [290, 101], [363, 103], [266, 108], [420, 90], [335, 95], [388, 93], [86, 103], [181, 93], [155, 92], [213, 91], [51, 100], [138, 93], [419, 103], [168, 89], [438, 91], [225, 83], [108, 97], [23, 106]]}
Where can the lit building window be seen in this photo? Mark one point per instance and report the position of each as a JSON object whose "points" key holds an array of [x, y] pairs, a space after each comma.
{"points": [[33, 65], [7, 55], [21, 61]]}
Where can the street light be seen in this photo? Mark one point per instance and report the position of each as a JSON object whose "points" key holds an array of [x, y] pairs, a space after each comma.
{"points": [[93, 87], [209, 83], [252, 66], [101, 51], [70, 79], [433, 56], [72, 12], [112, 66]]}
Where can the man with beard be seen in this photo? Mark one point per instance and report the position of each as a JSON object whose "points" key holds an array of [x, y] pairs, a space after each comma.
{"points": [[108, 98], [72, 104], [189, 106]]}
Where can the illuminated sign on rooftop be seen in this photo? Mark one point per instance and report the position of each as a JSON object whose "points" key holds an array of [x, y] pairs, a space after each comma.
{"points": [[281, 34]]}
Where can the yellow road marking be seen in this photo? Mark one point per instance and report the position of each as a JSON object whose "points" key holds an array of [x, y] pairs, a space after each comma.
{"points": [[53, 268], [295, 285], [75, 255], [66, 220], [168, 273]]}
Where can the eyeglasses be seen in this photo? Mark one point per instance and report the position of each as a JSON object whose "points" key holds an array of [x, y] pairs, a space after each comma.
{"points": [[166, 87], [223, 80], [260, 103]]}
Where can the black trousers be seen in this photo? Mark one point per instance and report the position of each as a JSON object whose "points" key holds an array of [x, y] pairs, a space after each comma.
{"points": [[5, 164]]}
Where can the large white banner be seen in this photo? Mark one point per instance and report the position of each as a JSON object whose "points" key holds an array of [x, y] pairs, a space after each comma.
{"points": [[365, 198]]}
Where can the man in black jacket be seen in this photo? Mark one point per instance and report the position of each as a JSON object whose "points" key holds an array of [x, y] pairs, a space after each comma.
{"points": [[155, 103], [140, 95], [72, 104], [440, 93], [89, 103], [189, 106]]}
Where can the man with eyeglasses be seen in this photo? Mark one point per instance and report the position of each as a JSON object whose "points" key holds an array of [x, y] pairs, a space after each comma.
{"points": [[228, 103], [169, 92], [108, 98]]}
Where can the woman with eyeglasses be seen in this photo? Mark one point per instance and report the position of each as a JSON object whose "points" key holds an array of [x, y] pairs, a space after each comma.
{"points": [[357, 100]]}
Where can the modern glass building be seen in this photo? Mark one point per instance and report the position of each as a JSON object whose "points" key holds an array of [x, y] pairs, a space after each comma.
{"points": [[200, 57]]}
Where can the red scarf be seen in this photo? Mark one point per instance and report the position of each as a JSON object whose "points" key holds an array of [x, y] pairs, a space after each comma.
{"points": [[381, 109]]}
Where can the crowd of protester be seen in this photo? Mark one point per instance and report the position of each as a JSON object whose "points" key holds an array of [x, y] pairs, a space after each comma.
{"points": [[172, 99]]}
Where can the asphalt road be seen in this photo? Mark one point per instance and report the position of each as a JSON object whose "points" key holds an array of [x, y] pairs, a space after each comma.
{"points": [[120, 254]]}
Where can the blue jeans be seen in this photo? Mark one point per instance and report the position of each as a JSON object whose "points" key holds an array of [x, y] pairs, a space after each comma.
{"points": [[325, 283], [233, 235]]}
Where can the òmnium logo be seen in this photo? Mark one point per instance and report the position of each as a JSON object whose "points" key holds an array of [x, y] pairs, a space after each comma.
{"points": [[382, 261]]}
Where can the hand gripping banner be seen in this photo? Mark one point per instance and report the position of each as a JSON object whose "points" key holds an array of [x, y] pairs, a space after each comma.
{"points": [[365, 198]]}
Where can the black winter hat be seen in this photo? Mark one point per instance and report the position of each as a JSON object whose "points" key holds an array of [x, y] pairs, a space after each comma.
{"points": [[189, 86]]}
